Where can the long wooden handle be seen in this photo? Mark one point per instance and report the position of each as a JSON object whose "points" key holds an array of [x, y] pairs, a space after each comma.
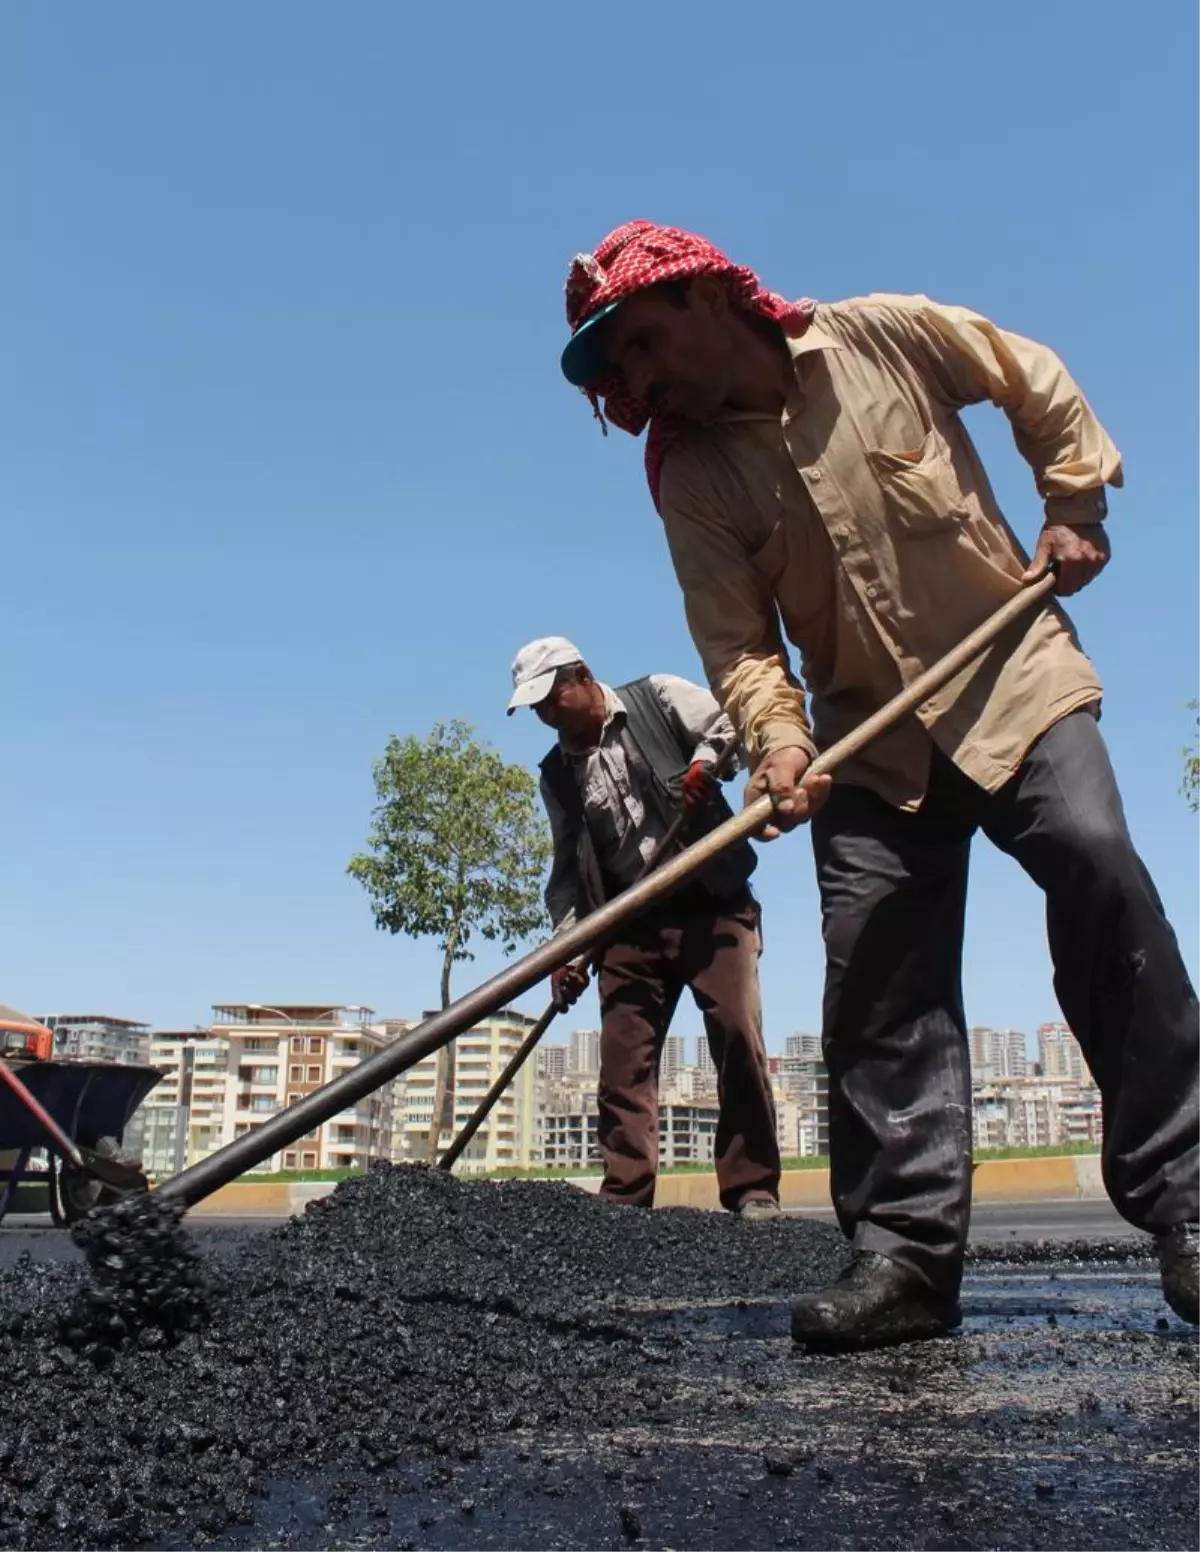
{"points": [[200, 1179], [932, 680]]}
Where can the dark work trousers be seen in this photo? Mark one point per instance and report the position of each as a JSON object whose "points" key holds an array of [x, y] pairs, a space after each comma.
{"points": [[893, 892], [712, 947]]}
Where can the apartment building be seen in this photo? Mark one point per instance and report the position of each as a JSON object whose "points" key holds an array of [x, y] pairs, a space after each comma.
{"points": [[704, 1064], [567, 1136], [552, 1063], [280, 1054], [1059, 1054], [673, 1059], [997, 1054], [184, 1115], [253, 1062], [801, 1087], [584, 1052], [1035, 1113], [508, 1136], [567, 1125], [98, 1037], [686, 1131]]}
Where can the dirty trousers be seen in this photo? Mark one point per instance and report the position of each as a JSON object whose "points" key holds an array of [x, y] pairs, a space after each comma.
{"points": [[893, 892], [712, 947]]}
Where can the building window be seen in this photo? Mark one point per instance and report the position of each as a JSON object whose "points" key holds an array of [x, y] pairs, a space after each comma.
{"points": [[289, 1161], [296, 1074], [297, 1042], [262, 1102], [308, 1160], [315, 1045], [314, 1075]]}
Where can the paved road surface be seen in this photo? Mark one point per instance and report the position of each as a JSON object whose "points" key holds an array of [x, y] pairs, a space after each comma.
{"points": [[1065, 1220], [1062, 1415]]}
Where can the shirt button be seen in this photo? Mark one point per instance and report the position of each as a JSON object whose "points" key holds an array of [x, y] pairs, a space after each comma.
{"points": [[841, 534], [813, 475], [872, 590]]}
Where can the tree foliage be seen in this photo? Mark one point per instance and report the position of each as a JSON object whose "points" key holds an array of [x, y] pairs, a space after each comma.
{"points": [[1190, 786], [456, 852]]}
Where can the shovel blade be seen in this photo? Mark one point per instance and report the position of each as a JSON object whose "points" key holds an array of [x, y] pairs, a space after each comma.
{"points": [[125, 1178]]}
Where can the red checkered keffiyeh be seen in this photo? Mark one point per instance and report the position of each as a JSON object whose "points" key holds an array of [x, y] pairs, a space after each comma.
{"points": [[633, 257]]}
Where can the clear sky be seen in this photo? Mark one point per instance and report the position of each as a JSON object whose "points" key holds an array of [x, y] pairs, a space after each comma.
{"points": [[289, 465]]}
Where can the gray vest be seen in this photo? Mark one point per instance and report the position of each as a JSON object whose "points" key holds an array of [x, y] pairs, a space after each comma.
{"points": [[663, 748]]}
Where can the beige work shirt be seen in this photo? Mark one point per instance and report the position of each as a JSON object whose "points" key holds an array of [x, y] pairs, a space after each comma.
{"points": [[862, 522]]}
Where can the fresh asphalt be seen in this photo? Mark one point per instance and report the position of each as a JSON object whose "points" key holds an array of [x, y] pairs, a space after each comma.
{"points": [[991, 1222]]}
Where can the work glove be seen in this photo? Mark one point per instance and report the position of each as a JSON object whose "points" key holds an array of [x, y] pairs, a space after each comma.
{"points": [[700, 786], [567, 985]]}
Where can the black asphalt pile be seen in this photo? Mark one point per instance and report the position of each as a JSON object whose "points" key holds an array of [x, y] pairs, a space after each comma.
{"points": [[1074, 1252], [404, 1324], [145, 1277]]}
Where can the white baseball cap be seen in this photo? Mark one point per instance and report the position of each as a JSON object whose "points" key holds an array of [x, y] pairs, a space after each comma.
{"points": [[536, 666]]}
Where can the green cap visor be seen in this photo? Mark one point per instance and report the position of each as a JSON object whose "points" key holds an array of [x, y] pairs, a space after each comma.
{"points": [[583, 361]]}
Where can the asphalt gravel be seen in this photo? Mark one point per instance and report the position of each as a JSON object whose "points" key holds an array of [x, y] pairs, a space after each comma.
{"points": [[420, 1361]]}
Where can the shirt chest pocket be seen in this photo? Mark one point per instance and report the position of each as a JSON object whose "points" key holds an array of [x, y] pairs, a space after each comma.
{"points": [[920, 488]]}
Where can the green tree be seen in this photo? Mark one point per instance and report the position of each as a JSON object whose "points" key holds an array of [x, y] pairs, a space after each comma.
{"points": [[1191, 763], [457, 849]]}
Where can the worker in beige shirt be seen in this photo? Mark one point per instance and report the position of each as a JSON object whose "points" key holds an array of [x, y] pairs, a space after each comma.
{"points": [[814, 479]]}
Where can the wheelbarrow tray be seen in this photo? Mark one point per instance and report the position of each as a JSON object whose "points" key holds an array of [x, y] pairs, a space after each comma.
{"points": [[89, 1100]]}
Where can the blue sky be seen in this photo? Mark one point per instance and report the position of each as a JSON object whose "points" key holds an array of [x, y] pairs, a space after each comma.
{"points": [[289, 465]]}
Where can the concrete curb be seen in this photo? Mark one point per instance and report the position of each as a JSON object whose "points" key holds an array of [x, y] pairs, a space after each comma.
{"points": [[996, 1180]]}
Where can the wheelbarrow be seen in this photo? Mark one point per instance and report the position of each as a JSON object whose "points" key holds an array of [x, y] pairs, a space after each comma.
{"points": [[77, 1112]]}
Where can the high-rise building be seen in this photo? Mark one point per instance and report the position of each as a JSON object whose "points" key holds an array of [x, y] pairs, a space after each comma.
{"points": [[705, 1066], [997, 1053], [803, 1046], [508, 1136], [1059, 1054], [584, 1051], [552, 1062], [673, 1061]]}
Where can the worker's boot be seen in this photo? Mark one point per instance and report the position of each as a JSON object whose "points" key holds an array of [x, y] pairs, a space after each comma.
{"points": [[1179, 1262], [876, 1302]]}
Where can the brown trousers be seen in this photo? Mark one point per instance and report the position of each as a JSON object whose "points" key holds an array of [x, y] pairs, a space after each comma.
{"points": [[711, 947]]}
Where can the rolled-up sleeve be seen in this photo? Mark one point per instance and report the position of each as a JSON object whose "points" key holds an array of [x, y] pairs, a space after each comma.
{"points": [[698, 715], [733, 620], [969, 360]]}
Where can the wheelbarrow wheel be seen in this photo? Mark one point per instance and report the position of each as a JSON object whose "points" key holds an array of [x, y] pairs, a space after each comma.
{"points": [[78, 1192]]}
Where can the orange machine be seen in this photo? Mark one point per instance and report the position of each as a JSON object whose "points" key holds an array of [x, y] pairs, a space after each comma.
{"points": [[23, 1040]]}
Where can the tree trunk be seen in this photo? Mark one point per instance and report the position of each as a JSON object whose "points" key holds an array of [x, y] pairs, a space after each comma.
{"points": [[445, 1056]]}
